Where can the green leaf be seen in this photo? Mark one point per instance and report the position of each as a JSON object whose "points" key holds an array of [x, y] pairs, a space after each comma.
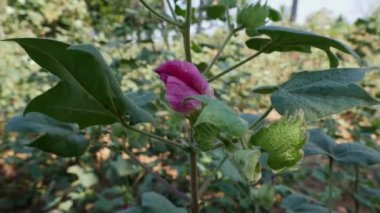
{"points": [[274, 15], [87, 94], [55, 137], [253, 16], [156, 203], [247, 163], [204, 135], [228, 168], [215, 11], [345, 153], [250, 118], [288, 39], [124, 167], [319, 143], [265, 89], [283, 141], [217, 114], [259, 44], [302, 204], [356, 154], [322, 93], [213, 119]]}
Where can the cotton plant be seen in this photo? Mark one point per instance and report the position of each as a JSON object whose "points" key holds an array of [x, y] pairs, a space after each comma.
{"points": [[89, 95]]}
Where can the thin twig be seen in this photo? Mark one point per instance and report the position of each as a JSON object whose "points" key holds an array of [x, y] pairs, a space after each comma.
{"points": [[221, 48], [155, 175], [262, 117], [172, 11], [159, 138], [205, 185], [186, 31], [330, 183], [194, 182], [164, 18], [240, 63]]}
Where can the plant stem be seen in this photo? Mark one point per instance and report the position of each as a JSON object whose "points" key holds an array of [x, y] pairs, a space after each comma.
{"points": [[262, 117], [240, 63], [164, 18], [357, 189], [219, 52], [221, 48], [330, 182], [159, 138], [194, 182], [192, 152], [172, 11], [156, 176], [204, 186], [186, 31]]}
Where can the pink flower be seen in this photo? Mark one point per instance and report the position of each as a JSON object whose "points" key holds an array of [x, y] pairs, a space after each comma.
{"points": [[182, 80]]}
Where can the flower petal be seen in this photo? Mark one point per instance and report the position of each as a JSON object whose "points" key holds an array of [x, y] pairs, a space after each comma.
{"points": [[176, 93], [186, 72]]}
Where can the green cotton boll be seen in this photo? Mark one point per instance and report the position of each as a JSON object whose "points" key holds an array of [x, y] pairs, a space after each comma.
{"points": [[204, 135], [283, 141]]}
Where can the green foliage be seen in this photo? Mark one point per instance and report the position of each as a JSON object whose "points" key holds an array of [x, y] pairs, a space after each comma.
{"points": [[265, 89], [252, 17], [322, 93], [301, 204], [155, 203], [74, 99], [345, 153], [247, 163], [216, 118], [264, 196], [283, 141], [129, 37], [52, 136], [215, 11], [286, 39]]}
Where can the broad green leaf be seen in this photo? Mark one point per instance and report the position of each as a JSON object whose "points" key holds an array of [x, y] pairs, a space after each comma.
{"points": [[87, 94], [156, 203], [247, 163], [144, 100], [217, 114], [288, 39], [262, 44], [283, 141], [319, 143], [356, 154], [228, 168], [215, 11], [253, 16], [213, 119], [345, 153], [322, 93], [55, 137], [302, 204], [204, 135], [250, 118]]}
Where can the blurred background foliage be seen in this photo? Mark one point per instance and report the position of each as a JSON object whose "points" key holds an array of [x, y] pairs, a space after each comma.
{"points": [[134, 43]]}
